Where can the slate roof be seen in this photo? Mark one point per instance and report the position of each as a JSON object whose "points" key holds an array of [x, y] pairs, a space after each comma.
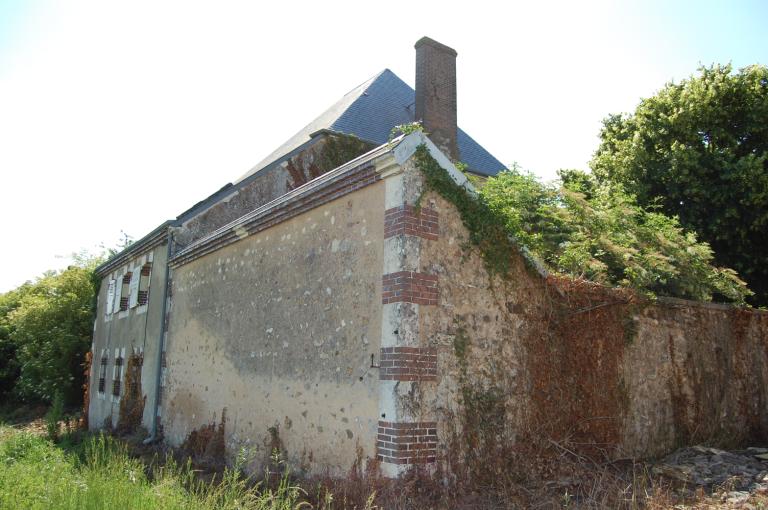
{"points": [[370, 111]]}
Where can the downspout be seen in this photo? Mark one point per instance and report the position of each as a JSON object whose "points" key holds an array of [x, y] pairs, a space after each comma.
{"points": [[161, 342]]}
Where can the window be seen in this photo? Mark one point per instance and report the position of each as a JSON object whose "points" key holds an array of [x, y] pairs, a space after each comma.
{"points": [[117, 372], [143, 296], [125, 291], [103, 371]]}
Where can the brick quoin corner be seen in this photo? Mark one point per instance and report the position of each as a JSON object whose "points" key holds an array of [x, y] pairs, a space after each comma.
{"points": [[408, 364], [406, 443], [409, 287], [410, 220]]}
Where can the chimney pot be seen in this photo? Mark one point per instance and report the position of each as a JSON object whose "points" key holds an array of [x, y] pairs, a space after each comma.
{"points": [[436, 93]]}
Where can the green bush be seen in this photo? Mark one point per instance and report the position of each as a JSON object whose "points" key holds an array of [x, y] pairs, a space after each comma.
{"points": [[598, 232], [45, 331]]}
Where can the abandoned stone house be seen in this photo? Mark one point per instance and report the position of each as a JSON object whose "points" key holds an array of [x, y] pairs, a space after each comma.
{"points": [[327, 303]]}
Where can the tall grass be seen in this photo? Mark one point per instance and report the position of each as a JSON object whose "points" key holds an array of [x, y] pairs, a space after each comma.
{"points": [[36, 474]]}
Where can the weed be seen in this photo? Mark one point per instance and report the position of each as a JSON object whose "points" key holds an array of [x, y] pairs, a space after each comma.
{"points": [[54, 416]]}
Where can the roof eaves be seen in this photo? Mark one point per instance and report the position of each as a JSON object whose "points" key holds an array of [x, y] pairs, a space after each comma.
{"points": [[155, 238], [280, 208]]}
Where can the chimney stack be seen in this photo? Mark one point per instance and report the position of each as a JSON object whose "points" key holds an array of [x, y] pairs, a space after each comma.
{"points": [[436, 94]]}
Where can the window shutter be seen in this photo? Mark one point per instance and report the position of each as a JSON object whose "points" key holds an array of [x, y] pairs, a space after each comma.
{"points": [[110, 297], [133, 289], [118, 291]]}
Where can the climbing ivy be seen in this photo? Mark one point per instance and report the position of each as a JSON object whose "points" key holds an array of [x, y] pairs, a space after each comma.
{"points": [[487, 231]]}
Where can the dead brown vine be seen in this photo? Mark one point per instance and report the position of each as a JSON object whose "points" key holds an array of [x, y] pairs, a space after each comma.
{"points": [[83, 422], [207, 443], [575, 357], [132, 401]]}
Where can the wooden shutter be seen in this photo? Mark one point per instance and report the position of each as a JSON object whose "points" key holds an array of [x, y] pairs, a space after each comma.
{"points": [[110, 297], [118, 292], [133, 289]]}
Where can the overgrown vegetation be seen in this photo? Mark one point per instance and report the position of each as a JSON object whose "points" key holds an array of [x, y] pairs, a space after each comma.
{"points": [[84, 471], [585, 230], [100, 473], [598, 232], [133, 400], [54, 416], [486, 227], [45, 331]]}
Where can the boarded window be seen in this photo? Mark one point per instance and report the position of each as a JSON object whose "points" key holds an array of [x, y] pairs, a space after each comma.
{"points": [[146, 272], [117, 372], [125, 291], [103, 371]]}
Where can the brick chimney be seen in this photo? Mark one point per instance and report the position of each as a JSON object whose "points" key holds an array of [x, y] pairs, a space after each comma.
{"points": [[436, 93]]}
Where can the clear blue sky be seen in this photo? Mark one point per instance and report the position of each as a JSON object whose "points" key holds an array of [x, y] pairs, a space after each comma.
{"points": [[120, 115]]}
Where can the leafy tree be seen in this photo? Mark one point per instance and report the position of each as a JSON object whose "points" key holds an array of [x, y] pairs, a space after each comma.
{"points": [[598, 232], [699, 151], [9, 363], [53, 327], [45, 330]]}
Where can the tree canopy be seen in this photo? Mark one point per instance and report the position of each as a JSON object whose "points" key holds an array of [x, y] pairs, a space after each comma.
{"points": [[45, 331], [698, 150], [597, 231]]}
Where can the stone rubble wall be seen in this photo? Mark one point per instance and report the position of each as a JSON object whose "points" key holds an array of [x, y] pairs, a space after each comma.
{"points": [[602, 369]]}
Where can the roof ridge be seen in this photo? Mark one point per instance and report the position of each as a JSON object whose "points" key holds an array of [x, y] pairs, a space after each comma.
{"points": [[367, 82], [369, 111]]}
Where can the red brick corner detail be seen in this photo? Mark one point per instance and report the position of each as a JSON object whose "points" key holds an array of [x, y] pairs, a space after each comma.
{"points": [[409, 220], [408, 364], [409, 287], [407, 443]]}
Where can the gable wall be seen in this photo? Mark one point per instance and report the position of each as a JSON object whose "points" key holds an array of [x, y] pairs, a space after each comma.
{"points": [[278, 329]]}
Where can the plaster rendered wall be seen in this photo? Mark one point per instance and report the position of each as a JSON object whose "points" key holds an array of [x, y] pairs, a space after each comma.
{"points": [[134, 329], [522, 358], [278, 329]]}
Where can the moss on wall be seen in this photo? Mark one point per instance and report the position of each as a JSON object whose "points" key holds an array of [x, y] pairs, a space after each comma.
{"points": [[330, 153]]}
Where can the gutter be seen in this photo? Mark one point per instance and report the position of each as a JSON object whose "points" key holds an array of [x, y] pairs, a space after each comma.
{"points": [[153, 435], [136, 249]]}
